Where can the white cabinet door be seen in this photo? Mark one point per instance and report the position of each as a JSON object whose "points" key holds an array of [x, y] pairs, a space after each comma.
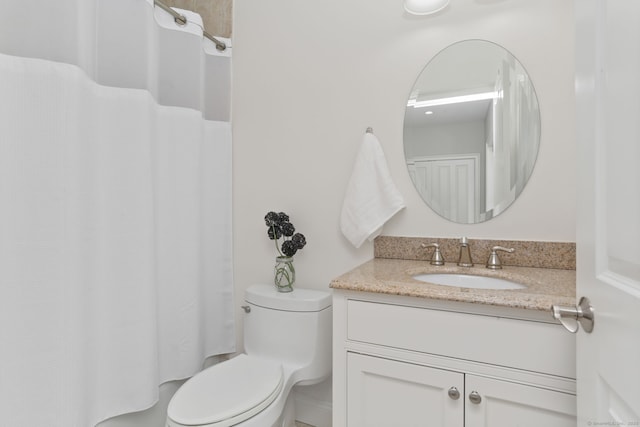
{"points": [[387, 393], [500, 403]]}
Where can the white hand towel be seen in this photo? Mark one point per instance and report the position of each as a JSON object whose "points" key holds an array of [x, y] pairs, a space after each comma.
{"points": [[371, 198]]}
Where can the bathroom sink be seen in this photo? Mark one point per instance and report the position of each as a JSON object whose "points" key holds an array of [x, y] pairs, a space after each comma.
{"points": [[467, 281]]}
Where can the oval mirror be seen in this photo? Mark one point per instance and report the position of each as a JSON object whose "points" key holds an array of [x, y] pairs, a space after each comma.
{"points": [[471, 131]]}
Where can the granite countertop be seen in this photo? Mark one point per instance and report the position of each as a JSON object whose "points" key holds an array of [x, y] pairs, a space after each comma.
{"points": [[545, 286]]}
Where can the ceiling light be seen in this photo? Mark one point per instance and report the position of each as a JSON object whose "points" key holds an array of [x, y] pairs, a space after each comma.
{"points": [[424, 7]]}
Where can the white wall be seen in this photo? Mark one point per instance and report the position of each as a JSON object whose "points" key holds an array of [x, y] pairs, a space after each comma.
{"points": [[447, 138]]}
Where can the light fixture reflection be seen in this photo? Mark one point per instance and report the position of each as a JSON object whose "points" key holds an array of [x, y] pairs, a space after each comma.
{"points": [[424, 7], [453, 99]]}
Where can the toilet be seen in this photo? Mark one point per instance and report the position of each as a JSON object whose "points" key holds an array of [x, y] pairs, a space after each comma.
{"points": [[287, 341]]}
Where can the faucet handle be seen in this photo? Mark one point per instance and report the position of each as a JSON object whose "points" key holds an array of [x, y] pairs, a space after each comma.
{"points": [[493, 262], [436, 258]]}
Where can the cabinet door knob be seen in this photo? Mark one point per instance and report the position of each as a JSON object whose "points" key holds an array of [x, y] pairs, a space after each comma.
{"points": [[474, 397], [454, 393]]}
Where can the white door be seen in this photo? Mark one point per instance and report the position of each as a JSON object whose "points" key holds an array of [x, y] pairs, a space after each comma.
{"points": [[450, 186], [608, 229]]}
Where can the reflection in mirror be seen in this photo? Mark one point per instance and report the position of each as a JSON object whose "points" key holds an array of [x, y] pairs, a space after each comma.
{"points": [[471, 131]]}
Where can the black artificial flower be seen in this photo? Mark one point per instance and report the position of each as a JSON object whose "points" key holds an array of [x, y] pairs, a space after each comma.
{"points": [[278, 226], [271, 218], [287, 229], [299, 240], [274, 232], [289, 248], [282, 218]]}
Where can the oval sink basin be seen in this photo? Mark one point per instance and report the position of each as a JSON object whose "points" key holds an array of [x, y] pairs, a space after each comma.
{"points": [[467, 281]]}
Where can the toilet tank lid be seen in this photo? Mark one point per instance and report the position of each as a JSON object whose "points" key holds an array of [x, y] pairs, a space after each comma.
{"points": [[299, 300]]}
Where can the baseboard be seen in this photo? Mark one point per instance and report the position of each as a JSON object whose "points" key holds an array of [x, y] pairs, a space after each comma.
{"points": [[313, 411]]}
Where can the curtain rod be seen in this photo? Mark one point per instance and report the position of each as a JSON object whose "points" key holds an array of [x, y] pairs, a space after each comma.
{"points": [[182, 20]]}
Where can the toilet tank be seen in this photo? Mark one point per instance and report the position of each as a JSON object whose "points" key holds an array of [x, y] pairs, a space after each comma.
{"points": [[293, 328]]}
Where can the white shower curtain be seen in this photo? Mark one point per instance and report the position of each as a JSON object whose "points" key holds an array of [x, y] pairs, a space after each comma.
{"points": [[115, 208]]}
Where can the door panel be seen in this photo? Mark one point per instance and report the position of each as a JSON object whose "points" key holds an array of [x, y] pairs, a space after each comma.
{"points": [[507, 404], [386, 393], [608, 223], [450, 186]]}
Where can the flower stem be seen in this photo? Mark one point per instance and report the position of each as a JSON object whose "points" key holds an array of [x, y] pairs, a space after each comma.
{"points": [[275, 240]]}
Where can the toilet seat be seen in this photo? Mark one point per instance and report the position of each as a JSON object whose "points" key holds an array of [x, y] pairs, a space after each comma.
{"points": [[227, 393]]}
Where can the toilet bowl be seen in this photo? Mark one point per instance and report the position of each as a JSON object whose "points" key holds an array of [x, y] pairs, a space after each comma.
{"points": [[287, 339]]}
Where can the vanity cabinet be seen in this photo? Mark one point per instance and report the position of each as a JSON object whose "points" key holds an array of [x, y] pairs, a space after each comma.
{"points": [[403, 361]]}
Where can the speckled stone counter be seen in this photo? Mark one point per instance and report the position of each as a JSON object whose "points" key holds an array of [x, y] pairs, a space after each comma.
{"points": [[561, 255], [545, 286]]}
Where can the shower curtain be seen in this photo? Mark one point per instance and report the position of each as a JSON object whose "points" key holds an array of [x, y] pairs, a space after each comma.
{"points": [[115, 207]]}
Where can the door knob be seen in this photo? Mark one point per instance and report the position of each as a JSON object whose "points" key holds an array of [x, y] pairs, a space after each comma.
{"points": [[574, 317]]}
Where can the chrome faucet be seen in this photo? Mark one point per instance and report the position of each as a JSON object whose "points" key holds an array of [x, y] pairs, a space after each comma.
{"points": [[493, 262], [436, 258], [464, 260]]}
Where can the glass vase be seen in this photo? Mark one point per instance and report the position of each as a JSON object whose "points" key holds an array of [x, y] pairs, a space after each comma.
{"points": [[284, 274]]}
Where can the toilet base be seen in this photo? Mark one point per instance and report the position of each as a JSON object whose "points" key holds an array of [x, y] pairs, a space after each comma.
{"points": [[288, 413]]}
